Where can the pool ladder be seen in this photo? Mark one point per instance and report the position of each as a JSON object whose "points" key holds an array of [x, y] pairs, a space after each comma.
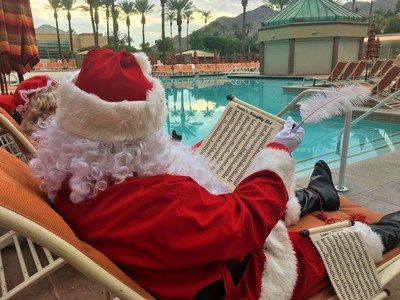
{"points": [[345, 132]]}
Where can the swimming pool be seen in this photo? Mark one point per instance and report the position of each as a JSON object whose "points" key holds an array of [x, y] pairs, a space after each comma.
{"points": [[195, 105]]}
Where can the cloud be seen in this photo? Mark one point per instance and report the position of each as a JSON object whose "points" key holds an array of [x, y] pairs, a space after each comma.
{"points": [[43, 14]]}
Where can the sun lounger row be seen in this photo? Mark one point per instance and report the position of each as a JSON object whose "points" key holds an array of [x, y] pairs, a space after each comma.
{"points": [[346, 72], [204, 69], [61, 65], [381, 86]]}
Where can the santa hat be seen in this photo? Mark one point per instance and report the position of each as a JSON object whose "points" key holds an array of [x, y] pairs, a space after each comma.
{"points": [[29, 87], [113, 98]]}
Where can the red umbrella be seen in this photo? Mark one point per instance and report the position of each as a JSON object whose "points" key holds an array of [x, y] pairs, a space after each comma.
{"points": [[215, 58], [153, 59], [241, 58], [17, 37], [234, 57], [249, 57], [195, 58], [373, 44], [173, 58]]}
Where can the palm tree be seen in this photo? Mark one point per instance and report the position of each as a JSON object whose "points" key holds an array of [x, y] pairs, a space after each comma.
{"points": [[206, 15], [94, 18], [114, 15], [55, 5], [164, 46], [280, 3], [188, 17], [143, 7], [180, 7], [107, 5], [244, 4], [170, 18], [68, 6], [128, 9]]}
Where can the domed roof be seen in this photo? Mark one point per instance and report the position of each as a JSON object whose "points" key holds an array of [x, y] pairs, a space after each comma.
{"points": [[306, 11]]}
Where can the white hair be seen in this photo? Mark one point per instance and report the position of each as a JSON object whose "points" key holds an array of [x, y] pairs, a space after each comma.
{"points": [[89, 166]]}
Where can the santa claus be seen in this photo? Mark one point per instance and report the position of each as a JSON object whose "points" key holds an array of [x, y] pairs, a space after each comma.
{"points": [[153, 207]]}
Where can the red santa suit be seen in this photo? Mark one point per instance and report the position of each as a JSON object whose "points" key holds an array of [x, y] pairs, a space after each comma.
{"points": [[174, 237]]}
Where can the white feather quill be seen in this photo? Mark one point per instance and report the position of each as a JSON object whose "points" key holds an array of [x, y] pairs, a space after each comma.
{"points": [[333, 102]]}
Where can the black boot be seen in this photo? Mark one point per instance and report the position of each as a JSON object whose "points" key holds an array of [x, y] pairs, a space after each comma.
{"points": [[388, 228], [320, 191]]}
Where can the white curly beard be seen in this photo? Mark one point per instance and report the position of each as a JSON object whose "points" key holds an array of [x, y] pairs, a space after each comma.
{"points": [[89, 166]]}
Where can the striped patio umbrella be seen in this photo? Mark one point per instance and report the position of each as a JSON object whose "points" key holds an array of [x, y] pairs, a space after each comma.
{"points": [[195, 58], [249, 57], [215, 58], [234, 57], [153, 58], [173, 58], [18, 50]]}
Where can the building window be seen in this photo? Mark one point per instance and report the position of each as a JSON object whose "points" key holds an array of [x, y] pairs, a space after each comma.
{"points": [[49, 49]]}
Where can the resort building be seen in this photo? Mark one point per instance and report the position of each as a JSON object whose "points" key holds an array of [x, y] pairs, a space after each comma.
{"points": [[46, 37], [310, 37]]}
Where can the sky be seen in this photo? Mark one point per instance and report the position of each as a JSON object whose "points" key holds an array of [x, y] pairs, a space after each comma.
{"points": [[43, 14]]}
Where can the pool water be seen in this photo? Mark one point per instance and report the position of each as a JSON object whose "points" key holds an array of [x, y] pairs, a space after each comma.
{"points": [[194, 106]]}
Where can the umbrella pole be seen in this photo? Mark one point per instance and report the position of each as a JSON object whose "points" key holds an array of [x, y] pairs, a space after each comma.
{"points": [[3, 81], [20, 77]]}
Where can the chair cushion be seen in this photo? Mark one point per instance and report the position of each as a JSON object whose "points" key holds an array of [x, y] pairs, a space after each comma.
{"points": [[347, 209]]}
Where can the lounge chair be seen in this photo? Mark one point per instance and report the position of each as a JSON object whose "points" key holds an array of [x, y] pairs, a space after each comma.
{"points": [[187, 69], [382, 88], [386, 80], [334, 75], [359, 70], [375, 68], [212, 68], [163, 70], [348, 70], [13, 139], [30, 220], [386, 66], [26, 214], [200, 69]]}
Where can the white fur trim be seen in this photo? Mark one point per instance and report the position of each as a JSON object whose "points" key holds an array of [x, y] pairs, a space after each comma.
{"points": [[280, 162], [89, 116], [293, 211], [143, 62], [275, 160], [280, 270], [372, 239]]}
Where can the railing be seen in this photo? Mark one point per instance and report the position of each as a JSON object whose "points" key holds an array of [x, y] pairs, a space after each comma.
{"points": [[345, 132]]}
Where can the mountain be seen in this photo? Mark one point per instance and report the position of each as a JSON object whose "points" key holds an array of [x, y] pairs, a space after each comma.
{"points": [[254, 17], [378, 5]]}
